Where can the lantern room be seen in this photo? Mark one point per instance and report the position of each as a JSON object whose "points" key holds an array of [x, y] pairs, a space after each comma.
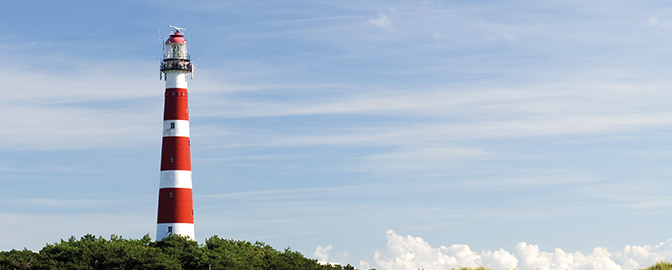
{"points": [[175, 47]]}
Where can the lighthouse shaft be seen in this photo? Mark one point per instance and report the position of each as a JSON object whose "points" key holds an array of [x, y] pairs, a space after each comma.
{"points": [[175, 211]]}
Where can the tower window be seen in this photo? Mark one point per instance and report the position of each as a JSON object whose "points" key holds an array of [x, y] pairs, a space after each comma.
{"points": [[172, 125], [170, 229]]}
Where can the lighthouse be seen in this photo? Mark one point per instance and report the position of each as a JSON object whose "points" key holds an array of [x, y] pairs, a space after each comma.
{"points": [[176, 207]]}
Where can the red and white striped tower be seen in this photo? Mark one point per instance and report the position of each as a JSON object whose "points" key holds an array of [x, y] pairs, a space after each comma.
{"points": [[176, 207]]}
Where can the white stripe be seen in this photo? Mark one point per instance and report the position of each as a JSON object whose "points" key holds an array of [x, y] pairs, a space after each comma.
{"points": [[175, 179], [184, 229], [179, 128], [176, 79]]}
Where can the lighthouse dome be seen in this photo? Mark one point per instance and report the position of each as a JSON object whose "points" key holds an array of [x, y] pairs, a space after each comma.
{"points": [[176, 38]]}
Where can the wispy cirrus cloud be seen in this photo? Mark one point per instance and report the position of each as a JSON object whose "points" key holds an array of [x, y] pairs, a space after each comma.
{"points": [[383, 20], [659, 21], [59, 203], [86, 109]]}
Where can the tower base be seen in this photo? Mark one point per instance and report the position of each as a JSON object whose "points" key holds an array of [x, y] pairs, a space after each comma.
{"points": [[165, 229]]}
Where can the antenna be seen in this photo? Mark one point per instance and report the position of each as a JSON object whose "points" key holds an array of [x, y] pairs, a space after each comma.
{"points": [[176, 28], [160, 40]]}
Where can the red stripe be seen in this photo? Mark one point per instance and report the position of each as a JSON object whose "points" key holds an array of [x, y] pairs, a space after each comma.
{"points": [[175, 206], [176, 154], [177, 104]]}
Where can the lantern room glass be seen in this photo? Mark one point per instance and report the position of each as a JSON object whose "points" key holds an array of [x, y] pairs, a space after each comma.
{"points": [[175, 51]]}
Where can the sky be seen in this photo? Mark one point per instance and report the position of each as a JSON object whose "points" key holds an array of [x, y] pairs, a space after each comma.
{"points": [[382, 134]]}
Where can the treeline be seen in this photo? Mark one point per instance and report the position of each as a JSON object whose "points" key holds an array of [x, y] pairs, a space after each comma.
{"points": [[173, 252]]}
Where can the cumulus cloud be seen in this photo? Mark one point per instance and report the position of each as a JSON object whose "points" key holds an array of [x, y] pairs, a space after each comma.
{"points": [[322, 254], [409, 252], [634, 257]]}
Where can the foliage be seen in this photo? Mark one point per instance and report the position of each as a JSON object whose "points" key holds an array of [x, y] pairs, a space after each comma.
{"points": [[660, 266], [173, 252]]}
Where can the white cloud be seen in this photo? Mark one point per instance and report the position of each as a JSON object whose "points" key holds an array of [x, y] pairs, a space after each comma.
{"points": [[383, 21], [89, 109], [408, 252], [48, 128], [420, 158], [536, 109], [428, 153], [58, 203], [499, 259], [322, 254], [660, 22]]}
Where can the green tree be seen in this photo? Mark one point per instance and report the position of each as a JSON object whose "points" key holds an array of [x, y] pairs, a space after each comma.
{"points": [[660, 266], [19, 259], [171, 253]]}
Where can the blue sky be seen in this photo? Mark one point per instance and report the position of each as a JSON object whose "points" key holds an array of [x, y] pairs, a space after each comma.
{"points": [[352, 132]]}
